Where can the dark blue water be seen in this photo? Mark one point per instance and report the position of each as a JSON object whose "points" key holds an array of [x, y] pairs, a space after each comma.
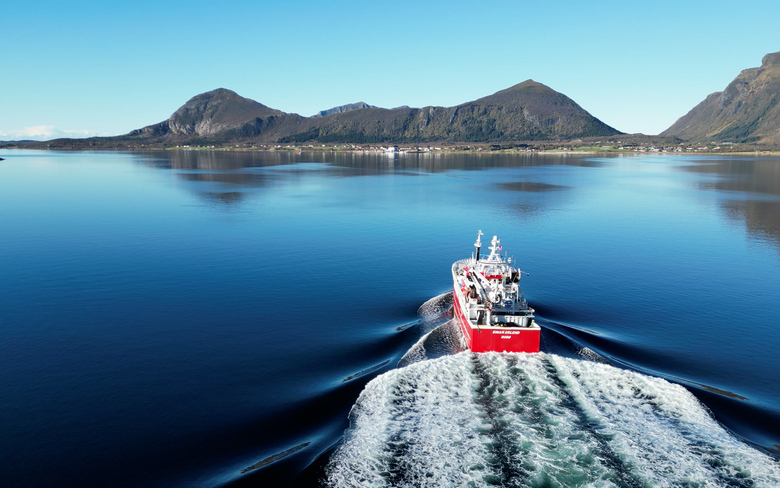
{"points": [[211, 318]]}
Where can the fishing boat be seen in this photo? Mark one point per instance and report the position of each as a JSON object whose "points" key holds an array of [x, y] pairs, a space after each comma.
{"points": [[489, 305]]}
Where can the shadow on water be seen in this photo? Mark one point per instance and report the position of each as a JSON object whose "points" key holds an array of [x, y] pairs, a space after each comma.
{"points": [[530, 186]]}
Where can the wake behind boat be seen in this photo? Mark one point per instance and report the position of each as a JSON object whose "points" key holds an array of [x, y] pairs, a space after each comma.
{"points": [[491, 309]]}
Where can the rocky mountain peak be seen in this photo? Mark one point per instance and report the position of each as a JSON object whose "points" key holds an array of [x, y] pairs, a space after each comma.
{"points": [[771, 59], [216, 111]]}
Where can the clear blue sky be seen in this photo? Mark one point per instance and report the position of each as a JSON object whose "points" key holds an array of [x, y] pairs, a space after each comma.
{"points": [[106, 68]]}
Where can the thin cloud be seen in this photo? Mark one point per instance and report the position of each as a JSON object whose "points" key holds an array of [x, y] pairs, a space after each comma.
{"points": [[45, 133]]}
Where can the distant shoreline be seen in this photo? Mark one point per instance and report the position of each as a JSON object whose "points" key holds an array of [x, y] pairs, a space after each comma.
{"points": [[547, 147]]}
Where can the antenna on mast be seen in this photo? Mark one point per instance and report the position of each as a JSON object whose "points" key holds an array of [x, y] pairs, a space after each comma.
{"points": [[478, 244]]}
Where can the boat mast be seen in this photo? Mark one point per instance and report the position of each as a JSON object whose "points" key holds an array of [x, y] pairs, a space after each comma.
{"points": [[478, 244]]}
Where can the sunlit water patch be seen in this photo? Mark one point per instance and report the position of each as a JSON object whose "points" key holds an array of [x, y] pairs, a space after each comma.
{"points": [[540, 420]]}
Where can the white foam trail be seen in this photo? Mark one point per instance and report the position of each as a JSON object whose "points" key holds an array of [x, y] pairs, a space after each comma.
{"points": [[435, 311], [446, 339], [440, 336], [399, 436], [660, 427], [416, 353], [537, 420]]}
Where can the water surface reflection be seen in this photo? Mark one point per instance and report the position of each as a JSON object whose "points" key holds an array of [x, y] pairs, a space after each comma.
{"points": [[750, 192], [227, 177]]}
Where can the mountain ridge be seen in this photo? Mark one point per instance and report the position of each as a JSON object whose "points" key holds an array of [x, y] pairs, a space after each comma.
{"points": [[746, 111], [526, 111]]}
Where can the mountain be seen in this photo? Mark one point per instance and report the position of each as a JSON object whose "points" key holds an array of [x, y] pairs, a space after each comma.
{"points": [[219, 111], [529, 111], [525, 112], [748, 110], [342, 109]]}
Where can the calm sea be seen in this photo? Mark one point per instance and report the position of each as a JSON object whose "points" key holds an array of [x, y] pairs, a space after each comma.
{"points": [[263, 319]]}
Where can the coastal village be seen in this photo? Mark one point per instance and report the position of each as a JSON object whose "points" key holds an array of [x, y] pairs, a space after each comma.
{"points": [[574, 147]]}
